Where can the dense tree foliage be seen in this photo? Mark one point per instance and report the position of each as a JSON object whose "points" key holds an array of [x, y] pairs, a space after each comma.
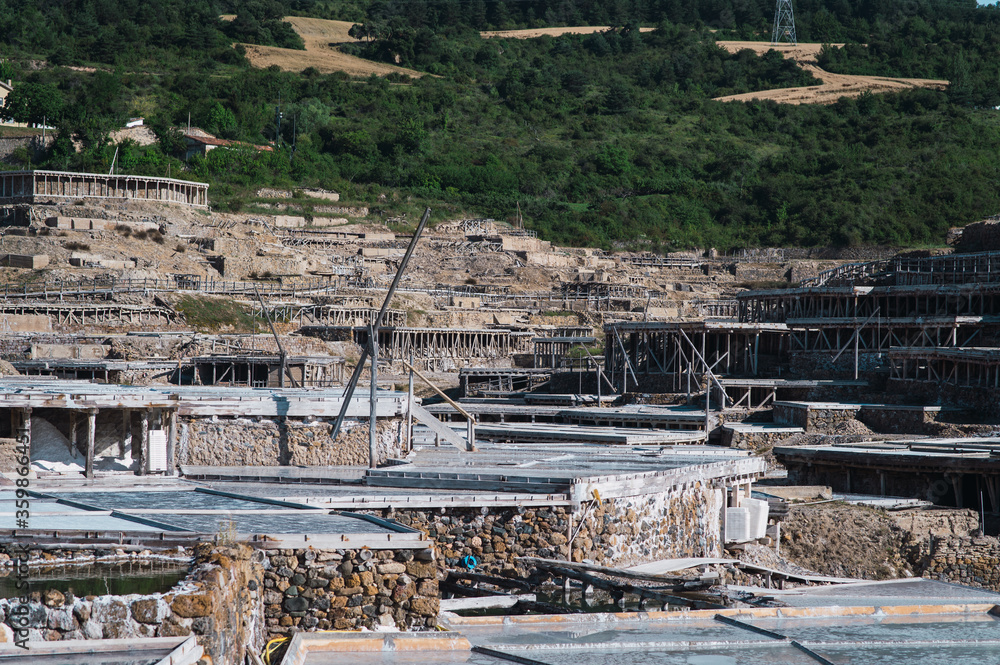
{"points": [[608, 139]]}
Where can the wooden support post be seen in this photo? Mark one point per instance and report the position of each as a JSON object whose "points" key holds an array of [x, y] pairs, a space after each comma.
{"points": [[956, 485], [373, 354], [409, 409], [91, 436], [24, 429], [73, 426], [171, 441], [453, 403], [708, 408], [144, 442], [126, 443]]}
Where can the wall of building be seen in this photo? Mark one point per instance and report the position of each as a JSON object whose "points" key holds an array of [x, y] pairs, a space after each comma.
{"points": [[271, 442]]}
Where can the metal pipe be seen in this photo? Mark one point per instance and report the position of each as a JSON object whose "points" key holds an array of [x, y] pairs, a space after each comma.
{"points": [[281, 349], [352, 384]]}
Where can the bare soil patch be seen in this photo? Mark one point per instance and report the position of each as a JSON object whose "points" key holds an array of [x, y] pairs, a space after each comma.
{"points": [[552, 32], [834, 86], [867, 543], [321, 38]]}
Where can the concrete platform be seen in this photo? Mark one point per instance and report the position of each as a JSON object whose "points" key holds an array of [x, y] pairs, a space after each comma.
{"points": [[581, 434], [658, 417]]}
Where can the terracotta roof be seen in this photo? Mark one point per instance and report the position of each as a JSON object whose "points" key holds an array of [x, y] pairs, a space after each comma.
{"points": [[205, 138]]}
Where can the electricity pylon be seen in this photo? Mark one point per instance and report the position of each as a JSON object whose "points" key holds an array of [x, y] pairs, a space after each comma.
{"points": [[784, 23]]}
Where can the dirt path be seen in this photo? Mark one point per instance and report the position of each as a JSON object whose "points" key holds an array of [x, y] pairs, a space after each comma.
{"points": [[834, 86], [552, 32], [321, 38]]}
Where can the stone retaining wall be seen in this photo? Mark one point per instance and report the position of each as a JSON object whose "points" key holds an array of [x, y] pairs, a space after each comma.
{"points": [[270, 442], [496, 537], [757, 272], [680, 522], [898, 421], [237, 598], [821, 365], [306, 589], [220, 602], [973, 561], [979, 237], [753, 439], [982, 401], [812, 418]]}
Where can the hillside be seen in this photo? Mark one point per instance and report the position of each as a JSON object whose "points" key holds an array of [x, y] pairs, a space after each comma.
{"points": [[612, 138], [321, 39], [833, 87]]}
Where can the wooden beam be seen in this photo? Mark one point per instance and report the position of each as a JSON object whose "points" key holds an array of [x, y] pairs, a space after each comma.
{"points": [[439, 392], [682, 581], [91, 436]]}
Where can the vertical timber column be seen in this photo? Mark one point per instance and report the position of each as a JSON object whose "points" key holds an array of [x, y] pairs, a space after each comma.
{"points": [[73, 427], [408, 446], [24, 429], [144, 443], [91, 436], [372, 431], [126, 445], [171, 440]]}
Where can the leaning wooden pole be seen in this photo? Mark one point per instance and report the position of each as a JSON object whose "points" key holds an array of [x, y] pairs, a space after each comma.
{"points": [[353, 383], [373, 398], [277, 340]]}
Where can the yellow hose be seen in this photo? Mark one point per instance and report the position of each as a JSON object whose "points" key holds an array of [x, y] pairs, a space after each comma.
{"points": [[271, 647]]}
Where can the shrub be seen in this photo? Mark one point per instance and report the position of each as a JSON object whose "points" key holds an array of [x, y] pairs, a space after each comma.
{"points": [[214, 313]]}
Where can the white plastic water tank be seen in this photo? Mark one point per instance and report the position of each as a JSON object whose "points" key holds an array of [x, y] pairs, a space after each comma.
{"points": [[758, 517], [737, 525]]}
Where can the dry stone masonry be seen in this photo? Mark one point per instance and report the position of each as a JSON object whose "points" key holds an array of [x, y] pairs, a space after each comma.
{"points": [[973, 561], [307, 589], [236, 598], [621, 532], [272, 442]]}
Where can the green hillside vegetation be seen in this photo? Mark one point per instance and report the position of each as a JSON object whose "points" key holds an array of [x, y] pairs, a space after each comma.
{"points": [[610, 140]]}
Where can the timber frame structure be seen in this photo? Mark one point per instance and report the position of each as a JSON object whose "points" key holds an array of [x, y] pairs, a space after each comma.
{"points": [[683, 353], [965, 471], [155, 410], [87, 314], [435, 348], [260, 371], [326, 315], [41, 186], [862, 302], [966, 367]]}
